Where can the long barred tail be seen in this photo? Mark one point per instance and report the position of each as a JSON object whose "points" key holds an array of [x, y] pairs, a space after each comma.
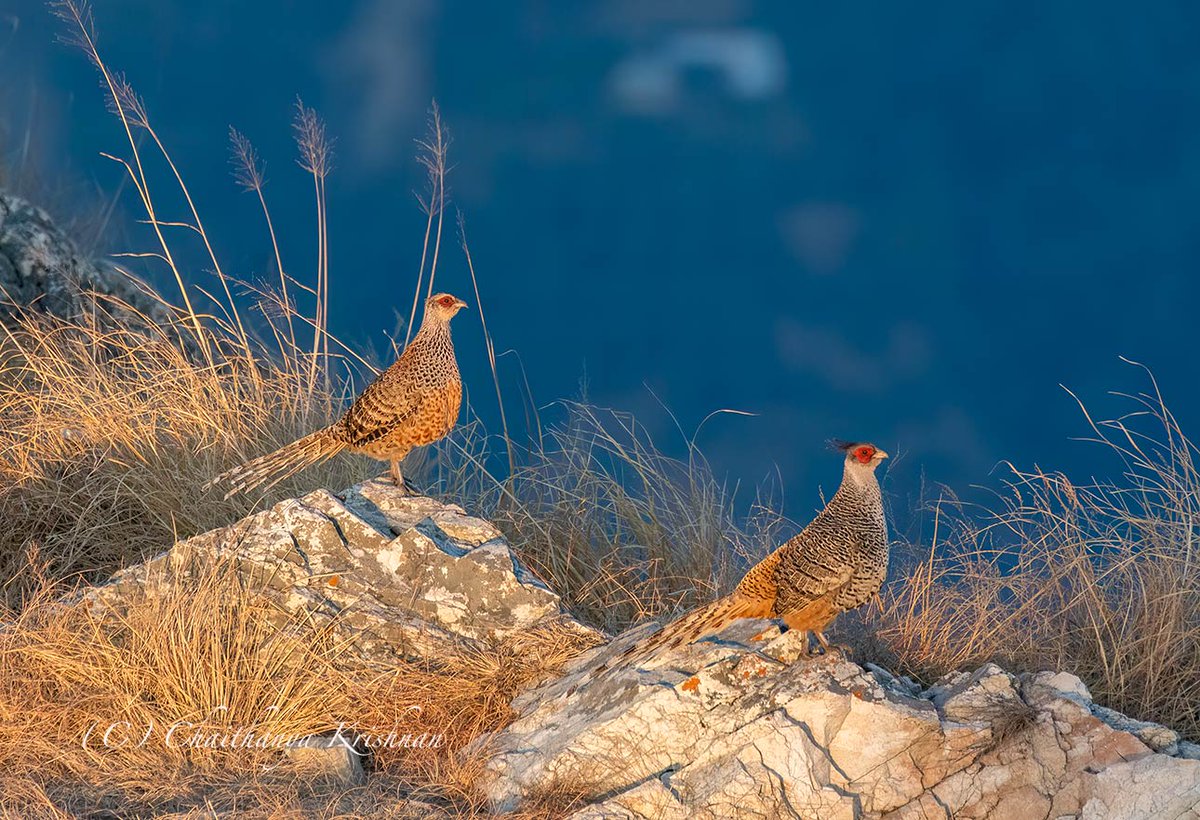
{"points": [[288, 460], [699, 623]]}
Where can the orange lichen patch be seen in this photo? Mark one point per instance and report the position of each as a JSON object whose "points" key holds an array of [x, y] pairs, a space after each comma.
{"points": [[691, 684], [761, 635], [753, 666], [334, 580]]}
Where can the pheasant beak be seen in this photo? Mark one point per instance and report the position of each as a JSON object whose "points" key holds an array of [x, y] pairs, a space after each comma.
{"points": [[880, 454], [460, 304]]}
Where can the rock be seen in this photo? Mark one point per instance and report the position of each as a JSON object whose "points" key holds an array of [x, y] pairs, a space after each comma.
{"points": [[327, 757], [966, 698], [407, 576], [40, 268], [1156, 736], [1152, 786], [903, 682], [1066, 683], [745, 724]]}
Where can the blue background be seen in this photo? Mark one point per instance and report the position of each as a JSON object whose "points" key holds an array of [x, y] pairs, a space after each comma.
{"points": [[867, 220]]}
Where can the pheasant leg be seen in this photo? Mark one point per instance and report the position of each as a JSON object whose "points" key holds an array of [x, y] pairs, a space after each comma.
{"points": [[398, 478], [827, 648]]}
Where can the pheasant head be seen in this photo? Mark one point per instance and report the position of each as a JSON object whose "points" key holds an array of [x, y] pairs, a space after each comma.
{"points": [[442, 307]]}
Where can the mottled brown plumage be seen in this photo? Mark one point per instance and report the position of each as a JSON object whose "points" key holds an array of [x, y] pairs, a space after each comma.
{"points": [[412, 403], [837, 563]]}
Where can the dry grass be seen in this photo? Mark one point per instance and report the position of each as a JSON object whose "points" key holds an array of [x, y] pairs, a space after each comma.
{"points": [[1102, 580], [208, 649], [621, 530], [110, 433], [205, 652]]}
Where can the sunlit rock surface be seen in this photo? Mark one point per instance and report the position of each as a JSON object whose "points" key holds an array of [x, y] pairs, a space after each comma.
{"points": [[404, 575], [745, 725]]}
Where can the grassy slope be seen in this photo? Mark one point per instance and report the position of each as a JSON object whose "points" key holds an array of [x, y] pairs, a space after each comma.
{"points": [[110, 434]]}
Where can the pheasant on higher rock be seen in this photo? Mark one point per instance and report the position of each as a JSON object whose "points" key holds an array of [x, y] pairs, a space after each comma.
{"points": [[412, 403]]}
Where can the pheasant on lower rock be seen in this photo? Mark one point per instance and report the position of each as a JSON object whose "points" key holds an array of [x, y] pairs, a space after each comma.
{"points": [[836, 564], [412, 403]]}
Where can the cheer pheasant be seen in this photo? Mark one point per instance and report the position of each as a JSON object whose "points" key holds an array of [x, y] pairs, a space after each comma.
{"points": [[413, 402], [836, 564]]}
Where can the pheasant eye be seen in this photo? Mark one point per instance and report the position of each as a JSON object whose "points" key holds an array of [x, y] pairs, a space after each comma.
{"points": [[864, 454], [446, 301]]}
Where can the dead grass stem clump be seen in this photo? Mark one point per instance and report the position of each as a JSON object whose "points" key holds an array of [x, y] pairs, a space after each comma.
{"points": [[1102, 579], [128, 709], [111, 432], [185, 697], [621, 530]]}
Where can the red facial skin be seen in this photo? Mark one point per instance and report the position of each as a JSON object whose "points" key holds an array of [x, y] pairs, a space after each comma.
{"points": [[446, 301], [864, 454]]}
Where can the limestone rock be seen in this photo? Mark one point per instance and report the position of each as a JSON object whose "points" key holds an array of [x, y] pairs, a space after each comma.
{"points": [[328, 757], [41, 268], [745, 725], [406, 575]]}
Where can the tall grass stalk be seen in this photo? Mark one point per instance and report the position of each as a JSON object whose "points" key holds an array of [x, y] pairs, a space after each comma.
{"points": [[432, 156]]}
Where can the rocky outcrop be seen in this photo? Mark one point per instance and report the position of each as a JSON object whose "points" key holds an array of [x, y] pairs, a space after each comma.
{"points": [[745, 725], [407, 576], [41, 269]]}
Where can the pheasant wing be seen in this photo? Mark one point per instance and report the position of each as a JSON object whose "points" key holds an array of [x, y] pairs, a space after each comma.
{"points": [[813, 569], [392, 399]]}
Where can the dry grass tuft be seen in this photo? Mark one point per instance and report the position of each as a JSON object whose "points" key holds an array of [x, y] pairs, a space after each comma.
{"points": [[622, 531], [1102, 580], [206, 652], [461, 697], [111, 432]]}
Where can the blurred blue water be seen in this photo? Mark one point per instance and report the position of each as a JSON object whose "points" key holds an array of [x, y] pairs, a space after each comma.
{"points": [[853, 219]]}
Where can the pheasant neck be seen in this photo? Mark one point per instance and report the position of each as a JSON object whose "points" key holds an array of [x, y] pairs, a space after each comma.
{"points": [[433, 327], [859, 480]]}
